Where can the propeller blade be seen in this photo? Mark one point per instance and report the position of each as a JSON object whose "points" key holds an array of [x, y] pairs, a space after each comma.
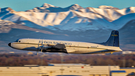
{"points": [[41, 46]]}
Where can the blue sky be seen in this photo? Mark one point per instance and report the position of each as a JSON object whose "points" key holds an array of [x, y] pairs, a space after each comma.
{"points": [[22, 5]]}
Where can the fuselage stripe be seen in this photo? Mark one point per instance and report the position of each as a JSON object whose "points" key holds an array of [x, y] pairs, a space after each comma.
{"points": [[65, 45]]}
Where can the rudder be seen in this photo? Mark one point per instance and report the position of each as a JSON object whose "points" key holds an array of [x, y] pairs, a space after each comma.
{"points": [[113, 39]]}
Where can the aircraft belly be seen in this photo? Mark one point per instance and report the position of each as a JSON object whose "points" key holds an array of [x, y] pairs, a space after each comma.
{"points": [[25, 46], [18, 46], [31, 47], [88, 50], [82, 50]]}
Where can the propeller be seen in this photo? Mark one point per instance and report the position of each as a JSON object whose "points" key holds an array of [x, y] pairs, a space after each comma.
{"points": [[40, 48], [37, 48], [42, 45]]}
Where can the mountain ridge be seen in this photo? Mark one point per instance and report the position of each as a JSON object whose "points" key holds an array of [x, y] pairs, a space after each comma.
{"points": [[71, 18]]}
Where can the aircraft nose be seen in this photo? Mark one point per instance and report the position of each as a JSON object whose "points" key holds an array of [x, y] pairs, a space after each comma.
{"points": [[9, 44]]}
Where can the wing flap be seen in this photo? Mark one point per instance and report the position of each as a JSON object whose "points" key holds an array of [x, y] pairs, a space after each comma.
{"points": [[59, 46]]}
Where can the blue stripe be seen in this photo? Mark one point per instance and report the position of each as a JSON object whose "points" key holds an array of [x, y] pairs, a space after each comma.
{"points": [[118, 71]]}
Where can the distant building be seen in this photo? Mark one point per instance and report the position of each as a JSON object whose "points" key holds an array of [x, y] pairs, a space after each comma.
{"points": [[130, 71], [126, 52], [118, 73], [69, 64], [12, 52], [30, 53], [62, 70], [120, 53]]}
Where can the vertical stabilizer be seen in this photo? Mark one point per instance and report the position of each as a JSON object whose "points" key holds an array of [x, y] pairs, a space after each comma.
{"points": [[113, 39]]}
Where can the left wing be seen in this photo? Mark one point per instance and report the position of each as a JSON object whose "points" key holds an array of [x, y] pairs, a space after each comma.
{"points": [[54, 48]]}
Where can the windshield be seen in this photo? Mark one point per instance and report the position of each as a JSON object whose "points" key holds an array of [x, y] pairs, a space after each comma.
{"points": [[17, 40]]}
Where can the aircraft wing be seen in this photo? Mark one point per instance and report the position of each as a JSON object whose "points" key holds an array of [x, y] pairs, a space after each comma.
{"points": [[54, 48], [59, 46]]}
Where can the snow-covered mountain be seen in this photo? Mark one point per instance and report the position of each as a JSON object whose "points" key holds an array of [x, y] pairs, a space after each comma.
{"points": [[72, 18], [51, 8], [7, 26]]}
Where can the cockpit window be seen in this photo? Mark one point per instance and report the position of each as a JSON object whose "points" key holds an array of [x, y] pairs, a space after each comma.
{"points": [[17, 40]]}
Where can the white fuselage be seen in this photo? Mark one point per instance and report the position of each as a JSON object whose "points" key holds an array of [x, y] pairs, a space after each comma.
{"points": [[71, 47]]}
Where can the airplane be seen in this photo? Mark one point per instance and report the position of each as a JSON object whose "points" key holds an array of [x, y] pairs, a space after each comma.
{"points": [[70, 47]]}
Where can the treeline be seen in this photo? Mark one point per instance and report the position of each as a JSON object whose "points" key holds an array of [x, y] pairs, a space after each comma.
{"points": [[44, 59]]}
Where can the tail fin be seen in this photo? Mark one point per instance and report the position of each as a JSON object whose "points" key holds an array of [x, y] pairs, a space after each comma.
{"points": [[113, 39]]}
